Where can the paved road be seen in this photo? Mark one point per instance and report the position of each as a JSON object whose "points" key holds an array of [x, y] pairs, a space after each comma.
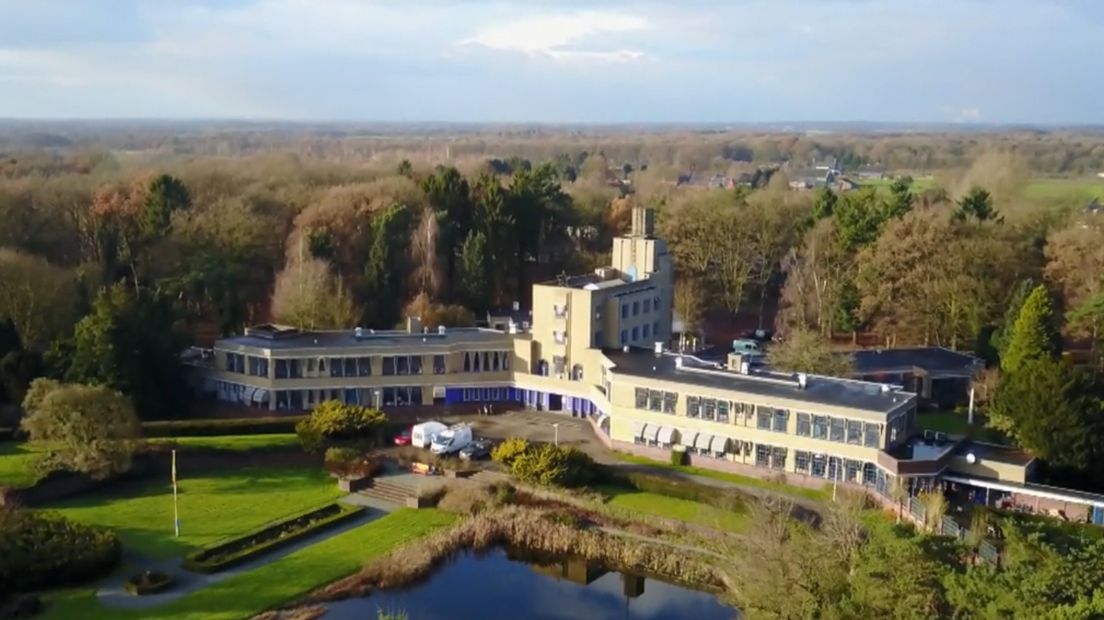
{"points": [[111, 592]]}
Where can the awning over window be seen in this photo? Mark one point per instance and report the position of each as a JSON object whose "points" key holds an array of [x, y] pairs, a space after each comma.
{"points": [[638, 429], [247, 394], [718, 444], [666, 434], [651, 432], [703, 441], [686, 438], [261, 396]]}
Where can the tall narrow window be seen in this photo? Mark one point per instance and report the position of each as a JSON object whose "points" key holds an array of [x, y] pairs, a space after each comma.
{"points": [[467, 362]]}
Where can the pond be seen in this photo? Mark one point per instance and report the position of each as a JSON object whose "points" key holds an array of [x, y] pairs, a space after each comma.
{"points": [[509, 585]]}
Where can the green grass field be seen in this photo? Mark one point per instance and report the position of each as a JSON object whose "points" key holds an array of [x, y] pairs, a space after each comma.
{"points": [[17, 464], [213, 506], [278, 582], [236, 443], [737, 479], [675, 508], [1080, 190], [955, 424]]}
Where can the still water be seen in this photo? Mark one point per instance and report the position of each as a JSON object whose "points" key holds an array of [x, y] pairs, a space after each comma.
{"points": [[499, 586]]}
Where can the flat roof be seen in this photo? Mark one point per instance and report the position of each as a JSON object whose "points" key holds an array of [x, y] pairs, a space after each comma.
{"points": [[369, 339], [845, 393], [995, 452], [930, 359]]}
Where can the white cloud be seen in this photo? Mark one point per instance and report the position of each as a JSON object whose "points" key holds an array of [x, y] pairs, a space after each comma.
{"points": [[558, 36]]}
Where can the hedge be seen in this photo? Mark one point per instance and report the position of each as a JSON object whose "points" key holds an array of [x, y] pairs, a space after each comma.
{"points": [[728, 499], [231, 426], [39, 550], [221, 556]]}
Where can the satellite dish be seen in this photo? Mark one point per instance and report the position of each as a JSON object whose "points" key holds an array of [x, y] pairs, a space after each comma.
{"points": [[971, 459]]}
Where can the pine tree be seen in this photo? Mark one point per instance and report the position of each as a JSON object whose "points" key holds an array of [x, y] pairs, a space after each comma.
{"points": [[473, 270], [1016, 301], [1034, 335]]}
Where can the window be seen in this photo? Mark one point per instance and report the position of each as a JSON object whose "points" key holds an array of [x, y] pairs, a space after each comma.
{"points": [[763, 420], [835, 430], [655, 329], [487, 362], [310, 365], [693, 407], [364, 366], [670, 399], [820, 427], [851, 470], [505, 360], [804, 425], [438, 364], [641, 398], [281, 369], [337, 367], [781, 420], [389, 365], [635, 333], [636, 308], [873, 435], [655, 400], [722, 411], [624, 336], [494, 360], [625, 311], [647, 328], [350, 366], [820, 464], [762, 455], [708, 408], [558, 365], [655, 302], [835, 467], [295, 369], [854, 432], [647, 306], [477, 364], [802, 461], [416, 365], [734, 446], [597, 340], [778, 458]]}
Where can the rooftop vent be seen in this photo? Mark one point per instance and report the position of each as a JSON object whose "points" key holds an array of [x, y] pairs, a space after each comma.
{"points": [[441, 330], [359, 332]]}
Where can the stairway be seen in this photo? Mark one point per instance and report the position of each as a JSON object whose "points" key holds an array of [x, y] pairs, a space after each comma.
{"points": [[388, 492]]}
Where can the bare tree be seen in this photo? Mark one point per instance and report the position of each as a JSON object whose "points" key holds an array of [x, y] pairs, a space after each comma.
{"points": [[308, 295], [423, 252]]}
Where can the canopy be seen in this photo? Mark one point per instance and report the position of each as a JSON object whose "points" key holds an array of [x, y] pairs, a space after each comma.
{"points": [[651, 432], [247, 395], [686, 437], [260, 396], [718, 444], [703, 441], [666, 434], [638, 429]]}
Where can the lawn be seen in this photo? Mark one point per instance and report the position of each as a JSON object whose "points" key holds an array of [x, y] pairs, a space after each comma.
{"points": [[737, 479], [954, 423], [237, 443], [675, 508], [1080, 190], [17, 464], [213, 506], [278, 582]]}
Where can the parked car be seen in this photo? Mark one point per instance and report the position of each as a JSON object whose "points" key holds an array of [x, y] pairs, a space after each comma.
{"points": [[403, 438], [476, 450], [451, 440]]}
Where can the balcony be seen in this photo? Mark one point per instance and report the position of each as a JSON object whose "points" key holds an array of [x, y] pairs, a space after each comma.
{"points": [[919, 456]]}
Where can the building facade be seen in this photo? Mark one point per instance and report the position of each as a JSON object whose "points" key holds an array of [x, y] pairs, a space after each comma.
{"points": [[595, 347]]}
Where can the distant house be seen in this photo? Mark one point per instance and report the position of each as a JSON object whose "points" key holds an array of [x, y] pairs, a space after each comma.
{"points": [[844, 184], [806, 179], [1094, 207], [938, 376]]}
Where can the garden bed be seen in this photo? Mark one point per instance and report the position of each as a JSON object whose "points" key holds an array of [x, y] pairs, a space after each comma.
{"points": [[224, 555]]}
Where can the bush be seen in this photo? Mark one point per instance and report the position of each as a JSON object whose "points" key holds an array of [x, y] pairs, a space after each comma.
{"points": [[149, 582], [507, 451], [333, 421], [235, 426], [233, 552], [466, 499], [38, 551], [549, 465], [348, 463]]}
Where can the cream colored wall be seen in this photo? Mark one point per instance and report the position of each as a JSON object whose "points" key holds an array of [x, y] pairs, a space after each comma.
{"points": [[1005, 472]]}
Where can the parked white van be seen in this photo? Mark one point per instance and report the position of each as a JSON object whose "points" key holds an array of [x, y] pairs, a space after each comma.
{"points": [[452, 440], [422, 434]]}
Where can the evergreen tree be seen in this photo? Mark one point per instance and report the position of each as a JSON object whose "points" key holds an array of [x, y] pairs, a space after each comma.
{"points": [[1034, 335], [167, 194], [1016, 301], [977, 204], [473, 270], [901, 201]]}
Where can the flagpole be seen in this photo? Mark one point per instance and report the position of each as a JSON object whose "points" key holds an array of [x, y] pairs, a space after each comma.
{"points": [[176, 507]]}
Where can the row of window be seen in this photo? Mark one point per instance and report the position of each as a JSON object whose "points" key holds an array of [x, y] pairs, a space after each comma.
{"points": [[486, 361], [656, 400], [767, 418], [640, 331], [635, 307], [474, 361], [840, 430], [834, 468]]}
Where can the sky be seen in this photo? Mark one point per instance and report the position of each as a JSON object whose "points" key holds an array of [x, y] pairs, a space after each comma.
{"points": [[556, 61]]}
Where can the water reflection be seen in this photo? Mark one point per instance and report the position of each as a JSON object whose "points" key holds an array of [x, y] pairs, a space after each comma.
{"points": [[495, 585]]}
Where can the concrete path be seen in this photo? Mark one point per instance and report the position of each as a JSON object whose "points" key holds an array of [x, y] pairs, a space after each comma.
{"points": [[111, 592]]}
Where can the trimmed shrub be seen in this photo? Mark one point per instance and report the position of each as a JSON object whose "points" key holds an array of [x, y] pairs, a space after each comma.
{"points": [[233, 552], [350, 463], [37, 551], [234, 426], [678, 457], [507, 451], [149, 582]]}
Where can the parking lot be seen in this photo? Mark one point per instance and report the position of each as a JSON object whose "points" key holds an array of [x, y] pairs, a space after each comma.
{"points": [[535, 426]]}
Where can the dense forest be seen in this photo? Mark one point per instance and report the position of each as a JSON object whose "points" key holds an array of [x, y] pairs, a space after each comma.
{"points": [[113, 259]]}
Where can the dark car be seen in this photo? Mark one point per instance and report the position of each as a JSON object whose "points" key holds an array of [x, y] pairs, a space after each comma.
{"points": [[403, 438], [476, 450]]}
